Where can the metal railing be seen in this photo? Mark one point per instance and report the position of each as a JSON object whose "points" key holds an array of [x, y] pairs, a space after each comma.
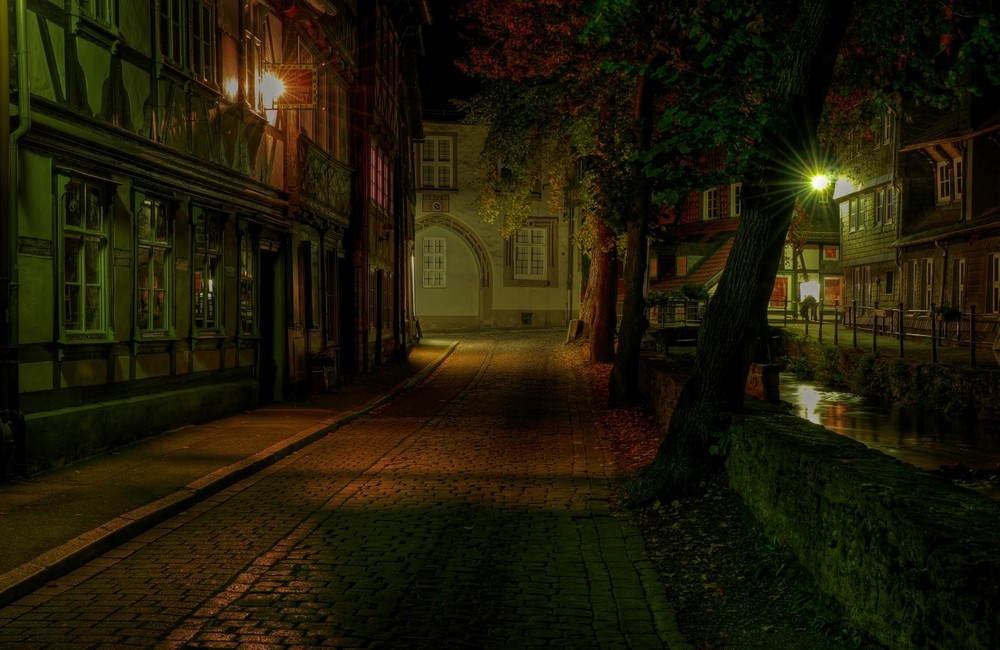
{"points": [[894, 326]]}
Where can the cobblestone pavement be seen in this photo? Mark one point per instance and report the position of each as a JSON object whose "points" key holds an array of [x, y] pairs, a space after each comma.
{"points": [[470, 512]]}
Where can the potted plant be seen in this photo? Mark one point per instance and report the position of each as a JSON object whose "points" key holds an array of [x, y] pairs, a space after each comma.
{"points": [[947, 313]]}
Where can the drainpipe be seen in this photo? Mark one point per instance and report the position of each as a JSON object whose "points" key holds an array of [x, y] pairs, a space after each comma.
{"points": [[11, 419]]}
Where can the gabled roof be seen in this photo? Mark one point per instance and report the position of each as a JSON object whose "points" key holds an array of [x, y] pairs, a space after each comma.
{"points": [[706, 274]]}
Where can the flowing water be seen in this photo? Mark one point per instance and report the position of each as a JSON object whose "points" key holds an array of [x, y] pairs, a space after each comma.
{"points": [[922, 437]]}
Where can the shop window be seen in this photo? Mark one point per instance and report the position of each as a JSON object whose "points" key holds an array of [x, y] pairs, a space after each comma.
{"points": [[154, 262], [207, 262], [84, 208]]}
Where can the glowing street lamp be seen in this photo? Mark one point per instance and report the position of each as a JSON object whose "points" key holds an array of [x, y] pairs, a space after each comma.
{"points": [[820, 182]]}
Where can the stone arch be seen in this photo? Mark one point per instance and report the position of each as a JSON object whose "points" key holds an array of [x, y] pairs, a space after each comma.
{"points": [[469, 237]]}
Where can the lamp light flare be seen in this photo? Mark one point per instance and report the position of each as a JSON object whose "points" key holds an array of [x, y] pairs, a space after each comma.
{"points": [[820, 181], [271, 88]]}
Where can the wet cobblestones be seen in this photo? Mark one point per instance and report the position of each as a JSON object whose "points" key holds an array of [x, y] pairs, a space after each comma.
{"points": [[470, 512]]}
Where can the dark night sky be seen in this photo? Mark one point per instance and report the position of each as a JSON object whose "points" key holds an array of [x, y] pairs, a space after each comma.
{"points": [[440, 80]]}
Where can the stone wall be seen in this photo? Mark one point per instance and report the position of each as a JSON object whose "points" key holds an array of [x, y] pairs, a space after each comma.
{"points": [[912, 558]]}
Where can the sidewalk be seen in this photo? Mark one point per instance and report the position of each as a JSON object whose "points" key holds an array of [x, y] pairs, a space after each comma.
{"points": [[63, 518]]}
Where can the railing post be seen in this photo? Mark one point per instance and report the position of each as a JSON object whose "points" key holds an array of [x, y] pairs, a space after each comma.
{"points": [[875, 328], [972, 336], [854, 320], [820, 312], [836, 320], [933, 335], [900, 329]]}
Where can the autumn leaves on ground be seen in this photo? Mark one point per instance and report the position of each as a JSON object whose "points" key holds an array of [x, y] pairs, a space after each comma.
{"points": [[730, 586]]}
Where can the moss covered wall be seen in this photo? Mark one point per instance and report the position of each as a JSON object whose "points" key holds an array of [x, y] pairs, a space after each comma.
{"points": [[911, 557]]}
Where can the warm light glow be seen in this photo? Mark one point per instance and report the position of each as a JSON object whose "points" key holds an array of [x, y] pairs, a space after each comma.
{"points": [[809, 398], [809, 289], [271, 88], [820, 181], [843, 187], [232, 88]]}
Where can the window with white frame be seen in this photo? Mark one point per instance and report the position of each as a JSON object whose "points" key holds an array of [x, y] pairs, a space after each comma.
{"points": [[154, 282], [710, 204], [529, 254], [890, 205], [437, 160], [959, 177], [84, 256], [207, 262], [435, 262], [854, 214], [944, 181], [887, 122], [187, 36], [735, 199]]}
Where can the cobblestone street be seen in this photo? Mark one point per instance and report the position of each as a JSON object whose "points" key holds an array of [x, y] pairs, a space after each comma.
{"points": [[469, 512]]}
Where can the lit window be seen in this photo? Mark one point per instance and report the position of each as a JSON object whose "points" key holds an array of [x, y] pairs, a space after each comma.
{"points": [[85, 258], [434, 262], [248, 286], [529, 254], [155, 245], [207, 258]]}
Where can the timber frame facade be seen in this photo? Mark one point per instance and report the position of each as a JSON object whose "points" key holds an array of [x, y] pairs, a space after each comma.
{"points": [[210, 207]]}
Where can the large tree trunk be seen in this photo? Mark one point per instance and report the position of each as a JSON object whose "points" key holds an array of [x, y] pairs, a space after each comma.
{"points": [[598, 308], [624, 381], [738, 310]]}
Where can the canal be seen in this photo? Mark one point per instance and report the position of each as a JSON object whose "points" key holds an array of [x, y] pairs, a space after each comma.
{"points": [[923, 438]]}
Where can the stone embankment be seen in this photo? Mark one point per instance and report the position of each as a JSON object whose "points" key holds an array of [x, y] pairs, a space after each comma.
{"points": [[910, 556]]}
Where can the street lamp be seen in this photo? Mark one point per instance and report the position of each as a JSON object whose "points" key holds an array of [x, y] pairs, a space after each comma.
{"points": [[820, 182]]}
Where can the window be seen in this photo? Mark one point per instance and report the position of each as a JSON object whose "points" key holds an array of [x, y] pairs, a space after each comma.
{"points": [[529, 254], [854, 214], [867, 210], [944, 182], [735, 199], [155, 243], [187, 36], [248, 285], [207, 259], [887, 122], [710, 204], [100, 11], [928, 283], [436, 163], [254, 44], [880, 206], [890, 205], [85, 257], [958, 278], [434, 265], [380, 179]]}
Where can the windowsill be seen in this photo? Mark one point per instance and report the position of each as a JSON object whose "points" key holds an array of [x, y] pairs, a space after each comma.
{"points": [[100, 32]]}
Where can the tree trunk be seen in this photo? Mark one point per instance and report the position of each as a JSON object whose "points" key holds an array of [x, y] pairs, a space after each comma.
{"points": [[624, 381], [737, 312], [598, 308]]}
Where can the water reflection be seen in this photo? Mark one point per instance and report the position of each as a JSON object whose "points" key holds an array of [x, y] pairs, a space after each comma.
{"points": [[922, 437]]}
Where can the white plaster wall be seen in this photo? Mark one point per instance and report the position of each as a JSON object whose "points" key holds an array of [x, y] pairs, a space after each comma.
{"points": [[460, 295]]}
